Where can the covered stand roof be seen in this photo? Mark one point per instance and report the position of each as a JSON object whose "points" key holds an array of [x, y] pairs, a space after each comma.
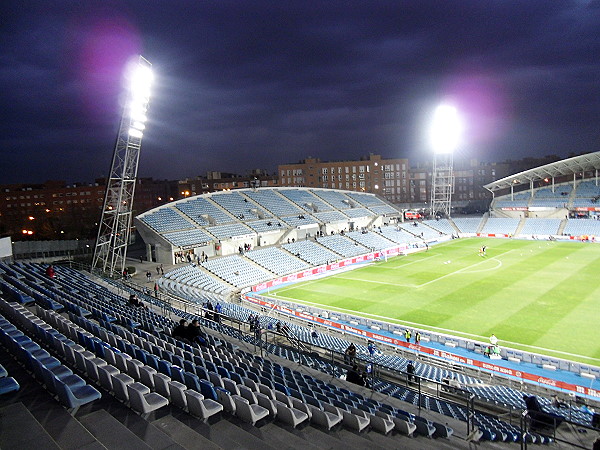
{"points": [[582, 163]]}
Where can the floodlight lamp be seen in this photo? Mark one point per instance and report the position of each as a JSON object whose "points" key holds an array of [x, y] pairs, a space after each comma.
{"points": [[138, 126], [140, 94], [135, 133], [446, 129], [138, 114], [140, 81]]}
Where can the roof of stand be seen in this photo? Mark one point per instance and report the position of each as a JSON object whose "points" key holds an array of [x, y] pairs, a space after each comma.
{"points": [[582, 163]]}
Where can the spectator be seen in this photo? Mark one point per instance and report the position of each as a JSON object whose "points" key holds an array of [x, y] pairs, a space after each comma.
{"points": [[557, 403], [410, 371], [257, 330], [180, 331], [209, 311], [371, 348], [218, 311], [353, 376], [134, 301], [193, 333], [50, 273], [350, 354]]}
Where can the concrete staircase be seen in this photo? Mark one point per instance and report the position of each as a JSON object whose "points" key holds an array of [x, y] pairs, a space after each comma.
{"points": [[520, 226], [562, 226], [484, 219]]}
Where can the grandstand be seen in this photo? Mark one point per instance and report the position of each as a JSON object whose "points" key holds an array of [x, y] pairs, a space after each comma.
{"points": [[216, 224], [112, 353]]}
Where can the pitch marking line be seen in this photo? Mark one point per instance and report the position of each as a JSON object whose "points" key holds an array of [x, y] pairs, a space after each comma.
{"points": [[375, 281], [490, 269], [464, 269], [416, 261], [431, 327]]}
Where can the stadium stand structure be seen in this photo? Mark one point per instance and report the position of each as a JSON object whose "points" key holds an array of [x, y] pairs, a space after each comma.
{"points": [[107, 352], [579, 227], [105, 356], [467, 224], [559, 190], [500, 225], [342, 245], [212, 223], [538, 227]]}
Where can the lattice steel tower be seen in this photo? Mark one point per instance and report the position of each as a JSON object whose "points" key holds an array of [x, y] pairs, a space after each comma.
{"points": [[115, 225], [442, 184]]}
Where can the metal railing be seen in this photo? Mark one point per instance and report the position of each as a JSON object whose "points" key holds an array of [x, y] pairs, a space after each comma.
{"points": [[544, 423]]}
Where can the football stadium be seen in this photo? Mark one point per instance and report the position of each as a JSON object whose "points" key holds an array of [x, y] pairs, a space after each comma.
{"points": [[320, 318]]}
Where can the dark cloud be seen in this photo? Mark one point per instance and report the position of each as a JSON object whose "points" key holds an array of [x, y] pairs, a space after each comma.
{"points": [[245, 84]]}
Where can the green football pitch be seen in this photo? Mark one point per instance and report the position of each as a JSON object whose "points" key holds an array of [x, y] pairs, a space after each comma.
{"points": [[537, 296]]}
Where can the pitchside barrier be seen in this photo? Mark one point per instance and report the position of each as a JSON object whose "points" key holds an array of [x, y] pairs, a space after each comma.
{"points": [[360, 326], [537, 237]]}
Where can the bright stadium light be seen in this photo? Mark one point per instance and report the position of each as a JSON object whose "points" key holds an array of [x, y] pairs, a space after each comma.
{"points": [[135, 133], [140, 79], [140, 82], [446, 129], [138, 115]]}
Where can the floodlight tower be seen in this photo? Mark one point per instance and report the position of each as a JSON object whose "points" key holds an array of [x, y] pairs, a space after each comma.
{"points": [[115, 226], [445, 133]]}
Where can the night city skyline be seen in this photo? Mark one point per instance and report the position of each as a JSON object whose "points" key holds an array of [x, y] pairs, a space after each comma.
{"points": [[243, 85]]}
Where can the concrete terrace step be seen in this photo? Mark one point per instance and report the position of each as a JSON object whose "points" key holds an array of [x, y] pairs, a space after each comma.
{"points": [[228, 433], [282, 436], [183, 434], [66, 431], [110, 432], [339, 438], [127, 432], [20, 430]]}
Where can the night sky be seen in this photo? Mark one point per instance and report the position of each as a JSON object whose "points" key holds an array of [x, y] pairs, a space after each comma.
{"points": [[253, 84]]}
